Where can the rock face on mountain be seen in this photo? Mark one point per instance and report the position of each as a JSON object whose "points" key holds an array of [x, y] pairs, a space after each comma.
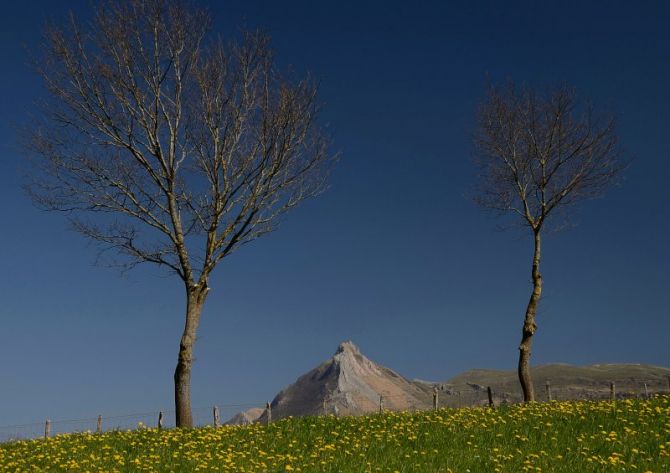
{"points": [[247, 417], [348, 384]]}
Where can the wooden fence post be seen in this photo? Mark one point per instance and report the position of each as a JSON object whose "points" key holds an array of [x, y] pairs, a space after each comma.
{"points": [[160, 420], [612, 391], [490, 393], [98, 428], [435, 400], [548, 387], [47, 429], [268, 409], [381, 403], [215, 412], [646, 391]]}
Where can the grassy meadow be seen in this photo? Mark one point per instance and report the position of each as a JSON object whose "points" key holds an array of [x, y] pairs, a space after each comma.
{"points": [[631, 435]]}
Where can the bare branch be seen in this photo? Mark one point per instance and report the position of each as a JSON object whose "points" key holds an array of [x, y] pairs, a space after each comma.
{"points": [[538, 154], [184, 149]]}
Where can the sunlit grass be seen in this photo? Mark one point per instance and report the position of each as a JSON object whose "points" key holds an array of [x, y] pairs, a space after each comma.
{"points": [[632, 435]]}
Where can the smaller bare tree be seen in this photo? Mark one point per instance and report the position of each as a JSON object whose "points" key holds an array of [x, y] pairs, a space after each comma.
{"points": [[537, 155]]}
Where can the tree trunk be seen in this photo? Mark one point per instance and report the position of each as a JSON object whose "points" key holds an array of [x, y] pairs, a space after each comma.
{"points": [[195, 299], [529, 326]]}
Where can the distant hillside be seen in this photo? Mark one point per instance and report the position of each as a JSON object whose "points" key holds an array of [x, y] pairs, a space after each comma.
{"points": [[567, 382]]}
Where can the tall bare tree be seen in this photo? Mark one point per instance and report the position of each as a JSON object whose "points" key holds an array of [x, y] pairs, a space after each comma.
{"points": [[172, 148], [538, 155]]}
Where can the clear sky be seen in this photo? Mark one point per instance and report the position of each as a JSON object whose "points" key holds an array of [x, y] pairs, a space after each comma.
{"points": [[395, 256]]}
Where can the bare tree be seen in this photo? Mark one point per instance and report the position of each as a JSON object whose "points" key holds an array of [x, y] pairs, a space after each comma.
{"points": [[171, 148], [538, 155]]}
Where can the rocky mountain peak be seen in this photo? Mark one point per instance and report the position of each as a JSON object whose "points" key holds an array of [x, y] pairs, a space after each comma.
{"points": [[348, 383], [347, 347]]}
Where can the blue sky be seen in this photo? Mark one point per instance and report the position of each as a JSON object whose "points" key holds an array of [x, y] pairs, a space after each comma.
{"points": [[395, 256]]}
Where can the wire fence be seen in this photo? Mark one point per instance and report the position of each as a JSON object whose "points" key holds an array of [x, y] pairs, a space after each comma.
{"points": [[428, 396], [102, 423]]}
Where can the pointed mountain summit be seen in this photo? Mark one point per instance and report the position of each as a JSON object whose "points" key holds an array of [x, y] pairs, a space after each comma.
{"points": [[348, 383]]}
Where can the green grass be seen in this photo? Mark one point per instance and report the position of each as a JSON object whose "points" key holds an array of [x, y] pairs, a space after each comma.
{"points": [[631, 435]]}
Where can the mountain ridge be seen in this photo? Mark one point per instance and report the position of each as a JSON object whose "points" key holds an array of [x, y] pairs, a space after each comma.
{"points": [[349, 383]]}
